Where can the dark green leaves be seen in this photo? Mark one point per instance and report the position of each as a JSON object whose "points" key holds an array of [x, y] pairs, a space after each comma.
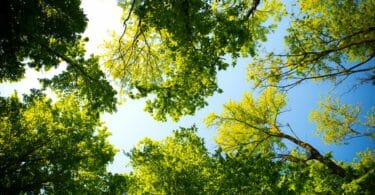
{"points": [[25, 24], [84, 79]]}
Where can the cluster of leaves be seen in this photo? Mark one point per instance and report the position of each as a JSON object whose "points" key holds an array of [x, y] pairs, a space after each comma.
{"points": [[338, 123], [26, 24], [50, 145], [42, 34], [180, 164], [83, 78], [327, 40], [172, 50], [53, 146], [175, 165]]}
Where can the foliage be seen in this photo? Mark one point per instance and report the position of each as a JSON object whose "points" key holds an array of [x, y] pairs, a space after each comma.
{"points": [[84, 78], [242, 172], [172, 50], [180, 164], [42, 34], [167, 167], [340, 122], [50, 145], [310, 178], [27, 24], [249, 124], [160, 54], [327, 40], [253, 124], [364, 174], [57, 147], [175, 165]]}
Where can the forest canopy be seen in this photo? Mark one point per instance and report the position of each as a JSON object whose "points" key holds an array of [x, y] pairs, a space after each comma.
{"points": [[53, 140]]}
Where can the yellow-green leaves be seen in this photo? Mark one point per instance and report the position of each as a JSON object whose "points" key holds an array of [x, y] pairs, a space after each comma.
{"points": [[175, 165], [366, 171], [337, 122], [171, 51], [327, 40], [250, 123], [50, 145]]}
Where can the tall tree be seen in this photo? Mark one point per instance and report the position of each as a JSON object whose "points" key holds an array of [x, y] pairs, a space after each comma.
{"points": [[61, 146], [50, 145], [327, 40], [243, 172], [180, 164], [43, 34], [176, 165], [27, 25], [253, 124], [172, 50]]}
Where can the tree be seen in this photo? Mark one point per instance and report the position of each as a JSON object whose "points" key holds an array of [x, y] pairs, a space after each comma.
{"points": [[251, 128], [179, 164], [338, 123], [61, 146], [172, 50], [28, 25], [50, 145], [253, 124], [327, 40], [43, 34], [83, 78], [243, 172]]}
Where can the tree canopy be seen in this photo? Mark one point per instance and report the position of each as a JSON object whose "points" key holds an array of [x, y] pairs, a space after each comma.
{"points": [[26, 26], [327, 40], [180, 164], [172, 50], [53, 146], [50, 145], [176, 165], [170, 53]]}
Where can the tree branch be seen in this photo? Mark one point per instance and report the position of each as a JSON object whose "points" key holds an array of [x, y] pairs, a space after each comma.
{"points": [[315, 154], [292, 158], [351, 70], [252, 9]]}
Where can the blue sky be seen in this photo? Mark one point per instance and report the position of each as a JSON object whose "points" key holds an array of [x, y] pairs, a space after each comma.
{"points": [[130, 123]]}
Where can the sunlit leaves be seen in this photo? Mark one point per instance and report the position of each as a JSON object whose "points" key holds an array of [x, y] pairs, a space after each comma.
{"points": [[337, 122], [46, 144], [250, 123], [364, 173], [327, 40], [172, 50], [175, 165]]}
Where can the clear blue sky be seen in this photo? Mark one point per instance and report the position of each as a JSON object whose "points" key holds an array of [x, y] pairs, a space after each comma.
{"points": [[130, 124]]}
